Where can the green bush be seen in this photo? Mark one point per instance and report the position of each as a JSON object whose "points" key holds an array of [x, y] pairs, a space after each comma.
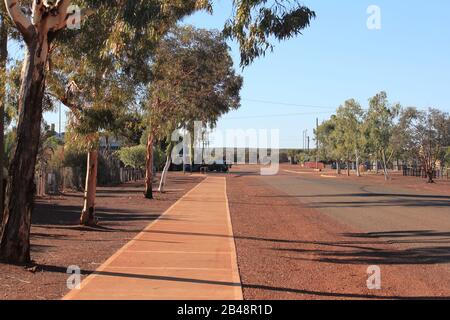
{"points": [[133, 157]]}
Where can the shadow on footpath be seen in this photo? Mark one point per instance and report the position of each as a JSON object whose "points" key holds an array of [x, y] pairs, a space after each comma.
{"points": [[47, 268]]}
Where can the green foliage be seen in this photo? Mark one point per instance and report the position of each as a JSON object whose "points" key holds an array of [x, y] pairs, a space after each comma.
{"points": [[48, 148], [9, 143], [133, 157], [348, 130], [305, 157], [255, 22], [74, 158], [328, 140], [159, 158], [385, 132], [447, 157], [352, 133], [12, 92], [194, 80], [379, 125], [426, 134]]}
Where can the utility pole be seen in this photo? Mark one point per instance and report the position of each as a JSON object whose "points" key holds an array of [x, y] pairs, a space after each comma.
{"points": [[303, 140], [306, 140], [317, 143]]}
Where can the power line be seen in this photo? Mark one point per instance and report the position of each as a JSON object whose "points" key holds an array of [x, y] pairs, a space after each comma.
{"points": [[323, 107], [275, 115], [289, 104]]}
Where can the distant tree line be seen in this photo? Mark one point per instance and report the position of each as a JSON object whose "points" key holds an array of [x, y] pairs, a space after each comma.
{"points": [[385, 133]]}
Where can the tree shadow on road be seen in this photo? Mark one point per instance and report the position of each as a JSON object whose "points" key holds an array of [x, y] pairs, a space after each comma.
{"points": [[365, 195], [399, 234], [380, 203], [372, 200], [365, 253]]}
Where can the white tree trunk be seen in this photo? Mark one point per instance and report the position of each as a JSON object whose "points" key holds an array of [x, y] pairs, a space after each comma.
{"points": [[162, 183], [386, 174], [358, 172], [15, 230], [88, 214]]}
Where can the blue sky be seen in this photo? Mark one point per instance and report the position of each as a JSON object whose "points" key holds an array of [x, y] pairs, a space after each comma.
{"points": [[338, 58]]}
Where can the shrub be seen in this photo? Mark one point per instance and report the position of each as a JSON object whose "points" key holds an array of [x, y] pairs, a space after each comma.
{"points": [[133, 157]]}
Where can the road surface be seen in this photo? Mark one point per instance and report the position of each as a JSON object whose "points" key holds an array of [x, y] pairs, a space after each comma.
{"points": [[320, 234]]}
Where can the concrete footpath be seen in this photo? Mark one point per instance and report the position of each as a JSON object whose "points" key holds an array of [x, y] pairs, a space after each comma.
{"points": [[187, 254]]}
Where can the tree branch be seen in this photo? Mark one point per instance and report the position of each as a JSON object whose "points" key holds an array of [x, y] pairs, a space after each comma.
{"points": [[37, 11], [22, 22]]}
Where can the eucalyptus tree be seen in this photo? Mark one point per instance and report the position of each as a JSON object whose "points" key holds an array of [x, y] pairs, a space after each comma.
{"points": [[427, 136], [349, 124], [329, 140], [37, 31], [324, 133], [380, 125], [4, 34], [100, 98], [194, 80]]}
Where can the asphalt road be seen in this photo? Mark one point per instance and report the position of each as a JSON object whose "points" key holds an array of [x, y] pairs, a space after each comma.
{"points": [[329, 230], [390, 213]]}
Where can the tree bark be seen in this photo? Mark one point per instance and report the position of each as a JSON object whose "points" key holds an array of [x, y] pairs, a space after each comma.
{"points": [[348, 168], [386, 174], [3, 62], [162, 183], [429, 168], [376, 166], [358, 172], [149, 167], [15, 234], [192, 151], [338, 168], [430, 176], [88, 214]]}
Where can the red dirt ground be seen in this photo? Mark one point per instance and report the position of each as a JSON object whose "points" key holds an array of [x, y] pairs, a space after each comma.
{"points": [[271, 231], [58, 241]]}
